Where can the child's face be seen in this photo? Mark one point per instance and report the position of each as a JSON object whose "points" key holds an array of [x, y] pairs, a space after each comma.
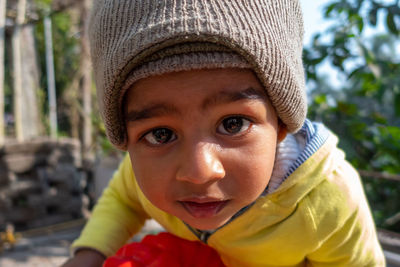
{"points": [[202, 143]]}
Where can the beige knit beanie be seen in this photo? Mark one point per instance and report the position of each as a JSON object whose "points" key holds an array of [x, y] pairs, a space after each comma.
{"points": [[134, 39]]}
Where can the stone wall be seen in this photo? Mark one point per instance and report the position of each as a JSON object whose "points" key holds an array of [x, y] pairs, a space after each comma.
{"points": [[42, 182]]}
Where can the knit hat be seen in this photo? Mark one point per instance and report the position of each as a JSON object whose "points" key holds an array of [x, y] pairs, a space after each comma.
{"points": [[134, 39]]}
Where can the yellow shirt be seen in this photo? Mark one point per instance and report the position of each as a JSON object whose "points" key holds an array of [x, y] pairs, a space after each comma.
{"points": [[319, 216]]}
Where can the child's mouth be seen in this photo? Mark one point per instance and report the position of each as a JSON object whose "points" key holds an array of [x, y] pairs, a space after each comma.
{"points": [[204, 209]]}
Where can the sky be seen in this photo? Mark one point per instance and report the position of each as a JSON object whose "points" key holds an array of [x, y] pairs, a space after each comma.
{"points": [[313, 23], [313, 20]]}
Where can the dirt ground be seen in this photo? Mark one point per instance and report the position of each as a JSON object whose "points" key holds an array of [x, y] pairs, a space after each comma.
{"points": [[52, 248], [47, 250]]}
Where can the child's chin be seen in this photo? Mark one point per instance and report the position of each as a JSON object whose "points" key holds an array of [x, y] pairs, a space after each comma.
{"points": [[206, 224]]}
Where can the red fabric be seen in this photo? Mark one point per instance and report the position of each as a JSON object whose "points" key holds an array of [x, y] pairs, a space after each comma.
{"points": [[163, 250]]}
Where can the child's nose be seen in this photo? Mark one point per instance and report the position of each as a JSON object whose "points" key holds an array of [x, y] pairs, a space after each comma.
{"points": [[200, 163]]}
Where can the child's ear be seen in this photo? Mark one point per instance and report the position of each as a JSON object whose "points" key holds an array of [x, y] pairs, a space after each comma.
{"points": [[282, 131]]}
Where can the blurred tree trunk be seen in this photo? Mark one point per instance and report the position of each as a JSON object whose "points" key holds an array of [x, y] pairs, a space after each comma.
{"points": [[17, 71], [2, 63], [32, 123], [78, 96], [86, 82], [26, 78], [71, 99], [51, 84]]}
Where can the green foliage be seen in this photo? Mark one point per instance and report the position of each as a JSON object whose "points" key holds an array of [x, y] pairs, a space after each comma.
{"points": [[66, 51], [43, 7], [66, 27], [365, 111]]}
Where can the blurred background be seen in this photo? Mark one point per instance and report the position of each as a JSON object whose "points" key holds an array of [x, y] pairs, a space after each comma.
{"points": [[55, 159]]}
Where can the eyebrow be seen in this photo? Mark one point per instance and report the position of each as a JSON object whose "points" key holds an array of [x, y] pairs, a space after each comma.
{"points": [[222, 97], [225, 97], [152, 110]]}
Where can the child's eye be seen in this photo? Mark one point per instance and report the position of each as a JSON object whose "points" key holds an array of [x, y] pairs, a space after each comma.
{"points": [[234, 125], [160, 136]]}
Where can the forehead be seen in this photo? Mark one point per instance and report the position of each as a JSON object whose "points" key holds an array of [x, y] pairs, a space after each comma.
{"points": [[179, 93], [197, 83]]}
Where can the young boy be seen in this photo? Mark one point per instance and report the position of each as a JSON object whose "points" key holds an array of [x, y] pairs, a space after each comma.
{"points": [[208, 98]]}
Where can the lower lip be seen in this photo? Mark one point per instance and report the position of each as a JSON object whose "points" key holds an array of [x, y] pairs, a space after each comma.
{"points": [[204, 210]]}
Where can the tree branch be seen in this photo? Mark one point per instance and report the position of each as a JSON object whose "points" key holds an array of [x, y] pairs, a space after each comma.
{"points": [[380, 175]]}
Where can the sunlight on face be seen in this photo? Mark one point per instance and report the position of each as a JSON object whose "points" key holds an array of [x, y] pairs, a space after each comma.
{"points": [[202, 143]]}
